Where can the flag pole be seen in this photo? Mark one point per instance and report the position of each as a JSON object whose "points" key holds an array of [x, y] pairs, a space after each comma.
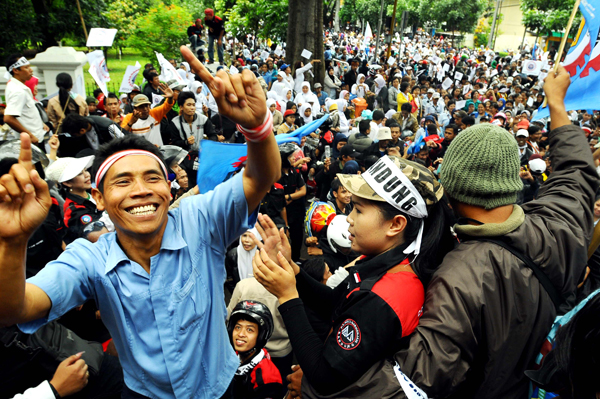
{"points": [[561, 48]]}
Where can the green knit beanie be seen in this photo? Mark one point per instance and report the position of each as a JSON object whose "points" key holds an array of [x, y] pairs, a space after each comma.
{"points": [[481, 167]]}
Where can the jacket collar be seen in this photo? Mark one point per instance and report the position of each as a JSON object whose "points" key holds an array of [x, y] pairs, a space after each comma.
{"points": [[377, 266], [171, 241], [514, 221]]}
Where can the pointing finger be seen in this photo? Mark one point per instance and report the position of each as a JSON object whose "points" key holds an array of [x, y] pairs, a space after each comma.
{"points": [[198, 68], [25, 153]]}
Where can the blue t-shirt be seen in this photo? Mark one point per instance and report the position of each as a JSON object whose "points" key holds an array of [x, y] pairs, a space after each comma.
{"points": [[169, 325]]}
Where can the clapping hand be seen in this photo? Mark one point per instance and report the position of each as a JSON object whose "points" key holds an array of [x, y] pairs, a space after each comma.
{"points": [[273, 240], [239, 97], [24, 197]]}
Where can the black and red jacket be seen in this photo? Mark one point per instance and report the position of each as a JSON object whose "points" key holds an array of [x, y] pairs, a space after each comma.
{"points": [[370, 314], [78, 213], [258, 378]]}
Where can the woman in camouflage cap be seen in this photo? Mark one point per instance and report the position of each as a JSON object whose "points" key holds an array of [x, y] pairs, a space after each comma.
{"points": [[401, 225]]}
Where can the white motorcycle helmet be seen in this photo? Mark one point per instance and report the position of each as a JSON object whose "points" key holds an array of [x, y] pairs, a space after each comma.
{"points": [[338, 236]]}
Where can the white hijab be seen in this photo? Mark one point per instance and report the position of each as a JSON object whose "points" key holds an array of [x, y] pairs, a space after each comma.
{"points": [[244, 260], [303, 108]]}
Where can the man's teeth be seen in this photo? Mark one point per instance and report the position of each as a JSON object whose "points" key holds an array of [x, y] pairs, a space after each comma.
{"points": [[143, 210]]}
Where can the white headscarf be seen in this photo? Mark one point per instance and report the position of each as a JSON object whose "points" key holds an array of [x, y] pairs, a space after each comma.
{"points": [[303, 108], [244, 260], [344, 125], [379, 83]]}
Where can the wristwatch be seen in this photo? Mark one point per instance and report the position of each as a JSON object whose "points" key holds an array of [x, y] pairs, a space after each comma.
{"points": [[289, 197]]}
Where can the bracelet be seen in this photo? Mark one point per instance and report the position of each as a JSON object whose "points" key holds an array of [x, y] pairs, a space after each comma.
{"points": [[259, 133]]}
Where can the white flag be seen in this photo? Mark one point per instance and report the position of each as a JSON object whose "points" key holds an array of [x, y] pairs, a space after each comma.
{"points": [[167, 71], [156, 99], [98, 69], [131, 74], [368, 32]]}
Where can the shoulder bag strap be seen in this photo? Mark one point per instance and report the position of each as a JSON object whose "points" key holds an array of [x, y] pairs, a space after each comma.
{"points": [[539, 274]]}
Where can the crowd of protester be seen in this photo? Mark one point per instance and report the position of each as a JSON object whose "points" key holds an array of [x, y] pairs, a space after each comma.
{"points": [[435, 198]]}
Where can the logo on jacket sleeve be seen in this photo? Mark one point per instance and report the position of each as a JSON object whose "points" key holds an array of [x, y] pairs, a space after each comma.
{"points": [[85, 219], [348, 335]]}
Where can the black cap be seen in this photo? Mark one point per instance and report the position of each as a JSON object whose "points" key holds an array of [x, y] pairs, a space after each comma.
{"points": [[348, 151]]}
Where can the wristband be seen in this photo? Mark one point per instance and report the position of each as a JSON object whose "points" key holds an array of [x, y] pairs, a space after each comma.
{"points": [[259, 133], [54, 391]]}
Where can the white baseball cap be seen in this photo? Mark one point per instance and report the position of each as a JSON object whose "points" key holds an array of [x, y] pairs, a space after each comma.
{"points": [[64, 169], [522, 133], [537, 165], [384, 133]]}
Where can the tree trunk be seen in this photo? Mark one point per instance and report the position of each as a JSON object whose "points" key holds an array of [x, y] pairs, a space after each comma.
{"points": [[42, 17], [305, 31]]}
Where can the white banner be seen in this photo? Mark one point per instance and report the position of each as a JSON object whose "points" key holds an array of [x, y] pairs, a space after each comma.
{"points": [[131, 74], [98, 69]]}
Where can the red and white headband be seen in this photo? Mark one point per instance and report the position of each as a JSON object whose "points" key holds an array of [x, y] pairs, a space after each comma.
{"points": [[121, 154]]}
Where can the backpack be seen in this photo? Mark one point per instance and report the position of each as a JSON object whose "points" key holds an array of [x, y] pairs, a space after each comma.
{"points": [[51, 344], [543, 377]]}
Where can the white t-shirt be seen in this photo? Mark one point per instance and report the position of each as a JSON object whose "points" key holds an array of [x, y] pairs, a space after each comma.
{"points": [[20, 104]]}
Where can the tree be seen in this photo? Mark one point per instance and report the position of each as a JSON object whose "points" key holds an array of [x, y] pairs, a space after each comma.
{"points": [[545, 16], [16, 28], [162, 29], [455, 15], [124, 15], [305, 32], [261, 18]]}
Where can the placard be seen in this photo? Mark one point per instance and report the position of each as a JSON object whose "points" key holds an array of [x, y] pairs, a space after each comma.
{"points": [[306, 54], [530, 101], [264, 55], [100, 37], [458, 76], [461, 104], [391, 61], [446, 67], [446, 83]]}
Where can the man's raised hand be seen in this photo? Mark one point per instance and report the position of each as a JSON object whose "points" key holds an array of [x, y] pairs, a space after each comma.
{"points": [[24, 197], [239, 97]]}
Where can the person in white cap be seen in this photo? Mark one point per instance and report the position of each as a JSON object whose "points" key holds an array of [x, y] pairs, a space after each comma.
{"points": [[21, 113], [525, 152], [80, 209]]}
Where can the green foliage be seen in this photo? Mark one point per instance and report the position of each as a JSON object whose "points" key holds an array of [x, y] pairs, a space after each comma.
{"points": [[263, 18], [162, 29], [15, 27], [64, 21], [484, 29], [454, 15], [124, 15], [546, 16]]}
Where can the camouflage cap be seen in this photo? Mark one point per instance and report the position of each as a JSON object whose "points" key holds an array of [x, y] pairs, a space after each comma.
{"points": [[421, 177]]}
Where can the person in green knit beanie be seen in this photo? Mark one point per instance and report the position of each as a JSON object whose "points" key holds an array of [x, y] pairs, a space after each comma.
{"points": [[486, 313], [481, 167]]}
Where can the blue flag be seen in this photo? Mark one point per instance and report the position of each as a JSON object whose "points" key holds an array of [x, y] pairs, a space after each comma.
{"points": [[220, 161], [583, 63]]}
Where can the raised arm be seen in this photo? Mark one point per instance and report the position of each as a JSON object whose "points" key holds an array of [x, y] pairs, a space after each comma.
{"points": [[24, 204], [241, 99]]}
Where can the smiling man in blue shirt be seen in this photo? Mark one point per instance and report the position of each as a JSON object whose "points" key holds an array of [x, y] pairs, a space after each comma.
{"points": [[158, 279]]}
